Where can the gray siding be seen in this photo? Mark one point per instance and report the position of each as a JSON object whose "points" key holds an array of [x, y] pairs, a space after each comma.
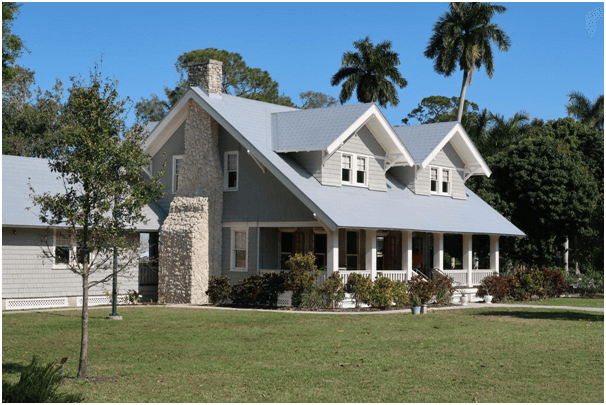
{"points": [[260, 196], [251, 254], [173, 147], [312, 162], [27, 273], [421, 183], [362, 143], [448, 158], [268, 249], [405, 175]]}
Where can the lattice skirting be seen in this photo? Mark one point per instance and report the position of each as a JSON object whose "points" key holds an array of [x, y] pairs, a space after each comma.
{"points": [[92, 301], [33, 303]]}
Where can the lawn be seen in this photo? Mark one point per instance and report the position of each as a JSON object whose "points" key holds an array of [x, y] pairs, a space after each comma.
{"points": [[204, 355], [566, 302]]}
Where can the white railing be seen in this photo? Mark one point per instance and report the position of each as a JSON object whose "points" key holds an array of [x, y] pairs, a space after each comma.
{"points": [[394, 275], [345, 274], [460, 276]]}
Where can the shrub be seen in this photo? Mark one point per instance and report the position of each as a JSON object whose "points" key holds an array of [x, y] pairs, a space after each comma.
{"points": [[420, 291], [302, 275], [590, 283], [332, 290], [526, 283], [400, 294], [38, 383], [359, 287], [443, 287], [258, 290], [219, 290], [554, 283], [381, 293], [495, 285], [311, 298]]}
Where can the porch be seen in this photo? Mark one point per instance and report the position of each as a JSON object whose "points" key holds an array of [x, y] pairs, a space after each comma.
{"points": [[396, 254]]}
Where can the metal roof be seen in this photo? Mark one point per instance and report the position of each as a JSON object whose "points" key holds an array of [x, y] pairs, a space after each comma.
{"points": [[421, 140], [249, 122], [19, 172], [313, 129]]}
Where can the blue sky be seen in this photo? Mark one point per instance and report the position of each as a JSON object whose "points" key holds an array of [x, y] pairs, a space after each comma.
{"points": [[301, 44]]}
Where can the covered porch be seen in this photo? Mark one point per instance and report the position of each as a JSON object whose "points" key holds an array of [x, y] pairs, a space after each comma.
{"points": [[396, 254]]}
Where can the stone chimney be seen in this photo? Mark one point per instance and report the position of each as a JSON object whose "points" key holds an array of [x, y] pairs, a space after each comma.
{"points": [[206, 73]]}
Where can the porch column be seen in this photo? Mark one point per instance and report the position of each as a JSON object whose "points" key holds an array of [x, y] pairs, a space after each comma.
{"points": [[332, 257], [494, 253], [407, 253], [438, 250], [371, 252], [468, 258]]}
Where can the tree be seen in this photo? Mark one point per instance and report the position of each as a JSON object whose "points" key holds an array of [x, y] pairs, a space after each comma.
{"points": [[315, 99], [438, 109], [151, 109], [544, 186], [12, 45], [503, 132], [372, 72], [238, 79], [29, 119], [584, 110], [463, 35], [100, 163]]}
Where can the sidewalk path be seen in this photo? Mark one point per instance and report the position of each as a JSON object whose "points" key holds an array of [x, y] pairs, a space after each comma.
{"points": [[396, 311]]}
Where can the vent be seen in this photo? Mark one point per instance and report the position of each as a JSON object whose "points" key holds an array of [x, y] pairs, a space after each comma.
{"points": [[105, 300], [33, 303]]}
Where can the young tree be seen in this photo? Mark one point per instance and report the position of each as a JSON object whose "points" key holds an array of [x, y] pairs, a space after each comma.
{"points": [[100, 163], [372, 72], [462, 36], [315, 99]]}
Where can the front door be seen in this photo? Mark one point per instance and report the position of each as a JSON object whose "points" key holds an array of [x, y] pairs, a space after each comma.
{"points": [[389, 257]]}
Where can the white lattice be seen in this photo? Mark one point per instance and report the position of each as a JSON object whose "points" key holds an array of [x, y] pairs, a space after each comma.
{"points": [[33, 303], [104, 300]]}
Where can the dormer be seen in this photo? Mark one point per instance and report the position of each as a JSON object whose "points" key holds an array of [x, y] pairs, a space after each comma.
{"points": [[341, 146], [445, 158]]}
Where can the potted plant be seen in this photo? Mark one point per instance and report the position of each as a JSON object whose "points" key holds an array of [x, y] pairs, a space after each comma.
{"points": [[420, 292], [416, 304], [464, 298], [487, 297]]}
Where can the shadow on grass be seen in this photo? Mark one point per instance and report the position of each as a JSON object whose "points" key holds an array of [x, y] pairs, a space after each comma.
{"points": [[554, 315], [11, 368]]}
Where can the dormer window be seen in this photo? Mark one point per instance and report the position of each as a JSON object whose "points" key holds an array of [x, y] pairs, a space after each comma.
{"points": [[349, 177], [440, 180]]}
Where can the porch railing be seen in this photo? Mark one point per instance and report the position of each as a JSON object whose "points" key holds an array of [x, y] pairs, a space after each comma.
{"points": [[460, 276]]}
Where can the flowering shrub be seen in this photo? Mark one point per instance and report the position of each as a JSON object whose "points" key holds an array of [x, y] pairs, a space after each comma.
{"points": [[495, 285], [443, 288], [524, 283], [554, 283], [420, 291], [219, 289]]}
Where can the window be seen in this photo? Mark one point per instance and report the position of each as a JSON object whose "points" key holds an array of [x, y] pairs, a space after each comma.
{"points": [[239, 239], [352, 250], [320, 248], [440, 179], [291, 243], [67, 252], [360, 177], [177, 162], [230, 181], [346, 168]]}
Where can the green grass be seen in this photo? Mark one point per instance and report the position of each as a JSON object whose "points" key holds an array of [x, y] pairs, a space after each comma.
{"points": [[566, 302], [204, 355]]}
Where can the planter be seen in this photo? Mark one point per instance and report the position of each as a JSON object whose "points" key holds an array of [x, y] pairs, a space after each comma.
{"points": [[423, 309], [464, 299], [488, 299], [416, 310]]}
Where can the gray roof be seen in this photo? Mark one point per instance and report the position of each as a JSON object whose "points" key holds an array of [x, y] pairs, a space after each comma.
{"points": [[313, 129], [421, 140], [19, 172], [354, 207]]}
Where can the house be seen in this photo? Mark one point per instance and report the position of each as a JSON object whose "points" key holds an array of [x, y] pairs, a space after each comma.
{"points": [[248, 183]]}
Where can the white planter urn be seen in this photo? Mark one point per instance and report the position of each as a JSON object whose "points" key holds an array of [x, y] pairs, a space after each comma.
{"points": [[464, 299], [488, 299]]}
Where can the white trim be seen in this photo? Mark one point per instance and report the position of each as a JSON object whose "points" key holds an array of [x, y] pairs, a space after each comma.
{"points": [[232, 251], [439, 180], [175, 158], [353, 178], [307, 224], [226, 172]]}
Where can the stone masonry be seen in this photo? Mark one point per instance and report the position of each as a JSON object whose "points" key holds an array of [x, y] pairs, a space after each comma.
{"points": [[206, 73], [190, 238]]}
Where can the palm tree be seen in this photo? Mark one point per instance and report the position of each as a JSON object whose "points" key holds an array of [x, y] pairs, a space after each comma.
{"points": [[372, 72], [504, 132], [464, 35], [585, 111]]}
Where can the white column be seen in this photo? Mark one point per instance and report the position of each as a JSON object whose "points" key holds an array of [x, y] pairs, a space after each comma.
{"points": [[332, 259], [371, 252], [438, 250], [468, 258], [566, 246], [407, 253], [494, 253]]}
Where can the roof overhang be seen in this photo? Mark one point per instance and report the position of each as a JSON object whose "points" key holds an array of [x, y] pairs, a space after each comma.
{"points": [[467, 151], [374, 119]]}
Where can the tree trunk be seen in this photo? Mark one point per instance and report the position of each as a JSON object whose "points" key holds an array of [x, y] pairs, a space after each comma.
{"points": [[462, 98], [84, 342]]}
